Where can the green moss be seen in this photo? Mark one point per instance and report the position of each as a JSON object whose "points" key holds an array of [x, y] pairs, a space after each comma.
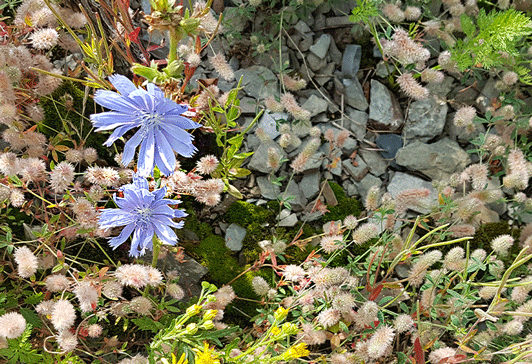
{"points": [[57, 118], [487, 232], [223, 267], [346, 206]]}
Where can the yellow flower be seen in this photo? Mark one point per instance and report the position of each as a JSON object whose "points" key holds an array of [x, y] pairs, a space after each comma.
{"points": [[280, 314], [296, 351], [207, 356], [275, 331]]}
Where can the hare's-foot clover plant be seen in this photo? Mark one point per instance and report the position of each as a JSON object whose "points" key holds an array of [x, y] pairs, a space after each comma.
{"points": [[159, 119]]}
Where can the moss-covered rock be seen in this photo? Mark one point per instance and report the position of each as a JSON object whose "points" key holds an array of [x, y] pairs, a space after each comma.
{"points": [[60, 117], [346, 205], [487, 232]]}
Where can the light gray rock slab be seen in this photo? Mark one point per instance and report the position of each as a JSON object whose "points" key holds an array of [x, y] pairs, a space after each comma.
{"points": [[354, 95], [437, 160], [357, 122], [268, 122], [337, 21], [366, 183], [301, 129], [248, 105], [259, 159], [377, 164], [315, 63], [349, 146], [287, 219], [315, 105], [356, 172], [258, 82], [310, 184], [401, 182], [384, 110], [234, 236], [489, 92], [302, 27], [321, 46], [441, 89], [305, 42], [299, 201], [426, 119], [268, 190]]}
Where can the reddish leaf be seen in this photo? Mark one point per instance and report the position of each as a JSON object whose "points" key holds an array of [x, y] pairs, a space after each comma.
{"points": [[153, 47], [134, 36], [418, 351], [373, 296]]}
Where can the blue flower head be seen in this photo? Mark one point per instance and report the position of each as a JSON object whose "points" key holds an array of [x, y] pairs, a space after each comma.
{"points": [[143, 213], [161, 125]]}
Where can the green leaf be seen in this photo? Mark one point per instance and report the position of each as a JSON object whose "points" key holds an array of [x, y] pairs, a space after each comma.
{"points": [[468, 27], [233, 191], [31, 317], [385, 300], [34, 299], [147, 324]]}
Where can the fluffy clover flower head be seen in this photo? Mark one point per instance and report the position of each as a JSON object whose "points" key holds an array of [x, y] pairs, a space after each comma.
{"points": [[143, 213], [159, 121]]}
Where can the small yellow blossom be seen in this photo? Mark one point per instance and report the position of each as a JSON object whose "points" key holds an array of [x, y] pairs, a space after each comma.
{"points": [[275, 331], [296, 351], [280, 314], [207, 356]]}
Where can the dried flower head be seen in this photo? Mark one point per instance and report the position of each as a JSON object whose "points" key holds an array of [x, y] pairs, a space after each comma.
{"points": [[56, 283], [12, 325], [141, 305], [27, 262], [207, 164], [329, 317], [44, 38], [61, 177], [260, 286], [411, 87], [393, 13], [175, 291], [502, 243], [63, 315], [364, 233], [221, 66], [380, 341]]}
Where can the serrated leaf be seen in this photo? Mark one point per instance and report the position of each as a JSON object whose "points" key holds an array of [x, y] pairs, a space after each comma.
{"points": [[31, 317], [34, 299], [147, 324], [468, 27]]}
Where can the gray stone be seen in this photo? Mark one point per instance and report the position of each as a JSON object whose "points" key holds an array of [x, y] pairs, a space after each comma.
{"points": [[426, 119], [366, 183], [351, 60], [334, 52], [390, 144], [382, 71], [354, 95], [350, 188], [232, 16], [248, 106], [315, 63], [344, 7], [489, 92], [287, 219], [321, 46], [310, 185], [298, 202], [349, 146], [305, 42], [337, 21], [258, 82], [437, 161], [441, 89], [259, 159], [268, 122], [302, 27], [325, 74], [401, 182], [319, 21], [267, 189], [189, 271], [356, 122], [331, 163], [459, 133], [301, 129], [377, 164], [384, 110], [234, 236], [356, 172], [315, 105]]}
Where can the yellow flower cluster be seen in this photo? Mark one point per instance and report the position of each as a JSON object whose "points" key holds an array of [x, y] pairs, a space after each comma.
{"points": [[207, 356]]}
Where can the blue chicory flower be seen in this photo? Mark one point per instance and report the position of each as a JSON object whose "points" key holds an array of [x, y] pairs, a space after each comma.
{"points": [[143, 213], [159, 119]]}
